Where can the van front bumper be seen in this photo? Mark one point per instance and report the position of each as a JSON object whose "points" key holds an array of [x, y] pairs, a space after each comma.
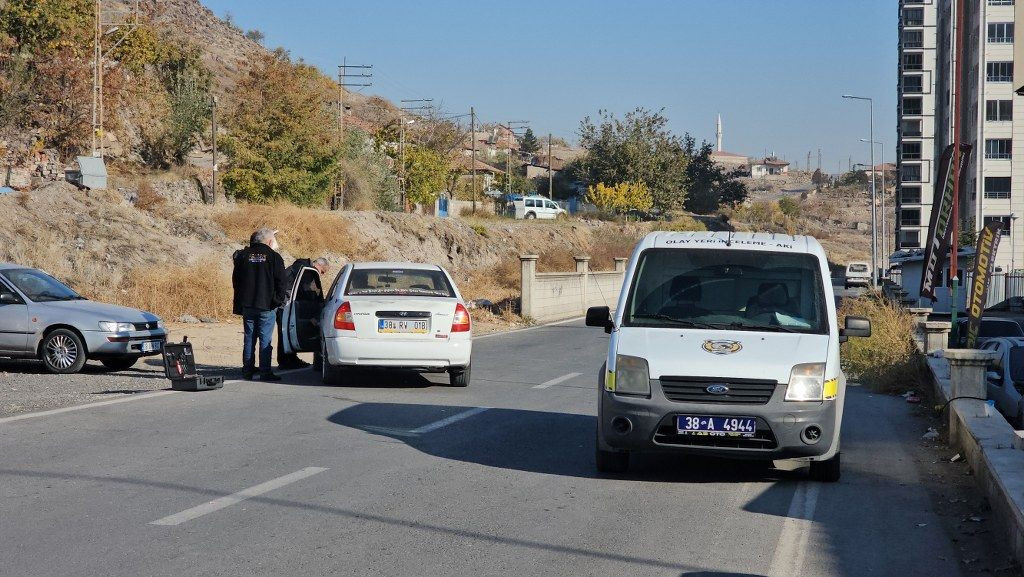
{"points": [[782, 427]]}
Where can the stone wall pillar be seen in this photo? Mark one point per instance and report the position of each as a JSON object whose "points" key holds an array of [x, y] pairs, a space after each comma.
{"points": [[967, 379], [920, 315], [583, 268], [936, 335], [620, 264], [528, 269]]}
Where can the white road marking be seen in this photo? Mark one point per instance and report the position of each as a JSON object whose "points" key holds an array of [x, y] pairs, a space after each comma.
{"points": [[447, 421], [85, 406], [557, 380], [791, 550], [234, 498], [527, 329]]}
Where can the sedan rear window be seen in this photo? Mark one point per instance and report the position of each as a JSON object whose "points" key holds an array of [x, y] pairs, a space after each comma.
{"points": [[390, 282]]}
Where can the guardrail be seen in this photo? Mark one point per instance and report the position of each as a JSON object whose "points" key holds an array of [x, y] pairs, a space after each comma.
{"points": [[555, 296]]}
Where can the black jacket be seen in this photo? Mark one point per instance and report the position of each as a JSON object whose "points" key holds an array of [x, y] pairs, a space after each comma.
{"points": [[258, 279]]}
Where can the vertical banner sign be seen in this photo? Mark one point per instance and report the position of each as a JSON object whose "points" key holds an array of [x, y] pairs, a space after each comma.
{"points": [[939, 226], [984, 262]]}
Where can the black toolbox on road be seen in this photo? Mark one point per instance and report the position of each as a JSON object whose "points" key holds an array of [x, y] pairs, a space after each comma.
{"points": [[180, 368]]}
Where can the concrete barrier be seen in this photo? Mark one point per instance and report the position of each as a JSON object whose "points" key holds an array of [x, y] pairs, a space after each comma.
{"points": [[555, 296], [990, 445]]}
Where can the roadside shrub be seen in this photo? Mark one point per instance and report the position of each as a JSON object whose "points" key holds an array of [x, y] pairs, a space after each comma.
{"points": [[680, 223], [789, 206], [887, 361], [148, 200]]}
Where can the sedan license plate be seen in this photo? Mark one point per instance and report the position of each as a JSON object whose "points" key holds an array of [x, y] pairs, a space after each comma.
{"points": [[716, 425], [403, 326], [149, 347]]}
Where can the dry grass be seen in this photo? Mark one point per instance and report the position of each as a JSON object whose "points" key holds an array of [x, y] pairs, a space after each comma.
{"points": [[887, 361], [202, 290], [148, 199], [303, 231], [680, 223], [23, 198]]}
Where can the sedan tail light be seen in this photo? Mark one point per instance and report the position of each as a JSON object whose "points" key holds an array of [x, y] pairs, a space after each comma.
{"points": [[343, 318], [460, 324]]}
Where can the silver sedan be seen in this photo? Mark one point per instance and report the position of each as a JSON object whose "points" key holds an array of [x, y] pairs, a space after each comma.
{"points": [[41, 317]]}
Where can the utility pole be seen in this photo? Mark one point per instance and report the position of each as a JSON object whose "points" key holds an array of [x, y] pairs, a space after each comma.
{"points": [[107, 20], [819, 159], [472, 160], [213, 122], [359, 78], [551, 179]]}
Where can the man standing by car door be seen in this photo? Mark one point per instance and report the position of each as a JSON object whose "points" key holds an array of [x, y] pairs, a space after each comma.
{"points": [[259, 283], [311, 289]]}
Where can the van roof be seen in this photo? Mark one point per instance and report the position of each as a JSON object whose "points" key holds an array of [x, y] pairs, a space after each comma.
{"points": [[765, 241]]}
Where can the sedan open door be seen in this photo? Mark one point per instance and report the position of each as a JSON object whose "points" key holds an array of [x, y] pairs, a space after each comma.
{"points": [[301, 317]]}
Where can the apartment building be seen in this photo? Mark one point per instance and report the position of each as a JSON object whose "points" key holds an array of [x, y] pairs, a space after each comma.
{"points": [[994, 180]]}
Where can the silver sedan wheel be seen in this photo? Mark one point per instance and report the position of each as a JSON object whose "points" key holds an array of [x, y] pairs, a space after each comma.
{"points": [[62, 352]]}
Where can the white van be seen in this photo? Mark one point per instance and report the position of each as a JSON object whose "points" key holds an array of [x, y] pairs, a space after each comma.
{"points": [[531, 207], [858, 274], [725, 344]]}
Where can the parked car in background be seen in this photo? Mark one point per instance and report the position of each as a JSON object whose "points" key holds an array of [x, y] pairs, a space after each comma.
{"points": [[858, 274], [990, 328], [41, 317], [386, 315], [532, 207], [1005, 377]]}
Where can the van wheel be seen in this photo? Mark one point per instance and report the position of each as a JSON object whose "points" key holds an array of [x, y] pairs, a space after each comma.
{"points": [[62, 352], [459, 377], [826, 471], [530, 216]]}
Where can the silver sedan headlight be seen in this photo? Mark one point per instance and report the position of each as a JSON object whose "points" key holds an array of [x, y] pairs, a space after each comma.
{"points": [[116, 327]]}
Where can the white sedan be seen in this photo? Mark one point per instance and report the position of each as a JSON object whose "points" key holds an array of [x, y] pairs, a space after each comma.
{"points": [[382, 315]]}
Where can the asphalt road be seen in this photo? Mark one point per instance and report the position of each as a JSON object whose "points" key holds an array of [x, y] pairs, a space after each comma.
{"points": [[395, 475]]}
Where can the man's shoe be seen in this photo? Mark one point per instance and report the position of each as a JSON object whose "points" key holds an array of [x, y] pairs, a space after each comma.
{"points": [[248, 375], [295, 364], [270, 377]]}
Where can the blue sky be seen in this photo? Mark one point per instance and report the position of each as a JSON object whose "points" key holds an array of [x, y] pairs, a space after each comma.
{"points": [[774, 69]]}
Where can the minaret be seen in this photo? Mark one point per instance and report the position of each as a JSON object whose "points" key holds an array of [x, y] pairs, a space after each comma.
{"points": [[718, 133]]}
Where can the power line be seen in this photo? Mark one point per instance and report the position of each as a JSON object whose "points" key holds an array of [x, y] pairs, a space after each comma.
{"points": [[346, 79]]}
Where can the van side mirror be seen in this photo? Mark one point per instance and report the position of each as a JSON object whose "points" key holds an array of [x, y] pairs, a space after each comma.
{"points": [[600, 317], [856, 327], [7, 298]]}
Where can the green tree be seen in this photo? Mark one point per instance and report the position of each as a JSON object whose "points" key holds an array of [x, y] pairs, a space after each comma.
{"points": [[282, 140], [426, 174], [638, 148], [528, 143], [710, 185], [42, 27], [789, 206]]}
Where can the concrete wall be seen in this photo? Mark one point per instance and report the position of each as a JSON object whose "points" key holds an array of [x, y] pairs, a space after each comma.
{"points": [[548, 297]]}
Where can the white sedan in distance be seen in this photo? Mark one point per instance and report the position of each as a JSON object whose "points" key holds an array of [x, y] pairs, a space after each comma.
{"points": [[387, 315]]}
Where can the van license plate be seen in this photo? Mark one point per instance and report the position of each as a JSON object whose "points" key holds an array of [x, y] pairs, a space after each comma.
{"points": [[716, 425], [402, 326]]}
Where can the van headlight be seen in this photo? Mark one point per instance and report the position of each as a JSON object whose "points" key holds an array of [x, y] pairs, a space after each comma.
{"points": [[115, 327], [806, 382], [631, 376]]}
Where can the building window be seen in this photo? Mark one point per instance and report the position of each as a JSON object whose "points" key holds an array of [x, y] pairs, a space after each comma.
{"points": [[910, 127], [998, 110], [1005, 220], [997, 187], [913, 61], [914, 38], [998, 148], [910, 239], [910, 217], [999, 71], [910, 195], [910, 173], [913, 16], [1000, 32], [910, 151], [913, 84], [912, 106]]}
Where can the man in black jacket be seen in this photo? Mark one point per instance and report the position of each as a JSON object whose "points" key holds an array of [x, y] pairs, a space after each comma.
{"points": [[309, 291], [259, 283]]}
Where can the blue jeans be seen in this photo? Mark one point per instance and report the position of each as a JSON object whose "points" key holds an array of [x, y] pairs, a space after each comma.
{"points": [[258, 325]]}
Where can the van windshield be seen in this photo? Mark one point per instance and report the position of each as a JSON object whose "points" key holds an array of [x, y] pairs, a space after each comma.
{"points": [[727, 289], [858, 268]]}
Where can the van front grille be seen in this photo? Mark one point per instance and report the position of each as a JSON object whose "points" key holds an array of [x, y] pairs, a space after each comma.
{"points": [[740, 391]]}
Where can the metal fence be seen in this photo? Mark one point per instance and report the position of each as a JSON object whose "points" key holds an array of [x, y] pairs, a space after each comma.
{"points": [[1003, 286]]}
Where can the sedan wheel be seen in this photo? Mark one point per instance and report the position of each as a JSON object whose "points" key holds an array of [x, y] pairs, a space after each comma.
{"points": [[63, 352]]}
